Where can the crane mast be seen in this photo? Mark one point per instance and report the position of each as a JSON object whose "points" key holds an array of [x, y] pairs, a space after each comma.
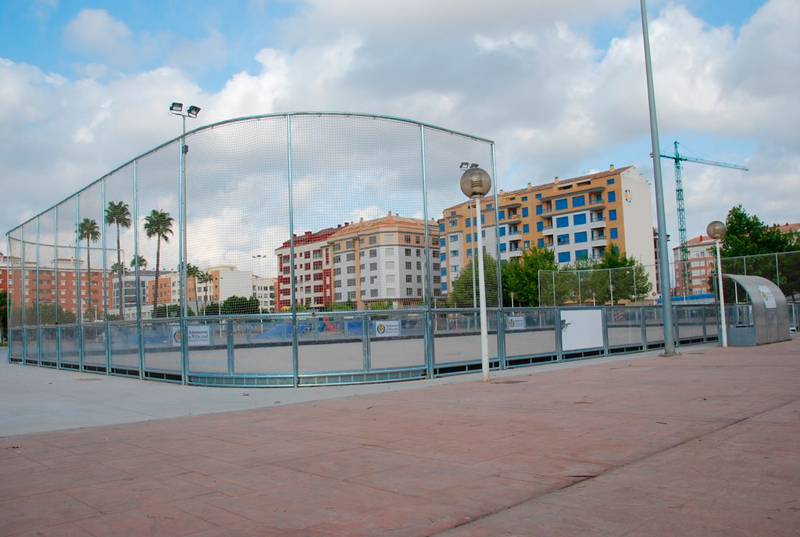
{"points": [[678, 158]]}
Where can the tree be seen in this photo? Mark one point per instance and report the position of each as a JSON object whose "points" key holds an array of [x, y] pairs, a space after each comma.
{"points": [[192, 271], [173, 310], [119, 215], [521, 276], [748, 235], [203, 279], [461, 293], [158, 224], [632, 284], [88, 230], [211, 309], [239, 305], [142, 262]]}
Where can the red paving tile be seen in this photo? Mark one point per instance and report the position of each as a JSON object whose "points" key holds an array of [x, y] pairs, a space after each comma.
{"points": [[700, 444]]}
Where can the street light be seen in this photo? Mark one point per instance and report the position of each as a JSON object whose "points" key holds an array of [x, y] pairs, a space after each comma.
{"points": [[475, 184], [716, 230]]}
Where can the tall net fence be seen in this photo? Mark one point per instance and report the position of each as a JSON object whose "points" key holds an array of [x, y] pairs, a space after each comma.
{"points": [[782, 269], [603, 286]]}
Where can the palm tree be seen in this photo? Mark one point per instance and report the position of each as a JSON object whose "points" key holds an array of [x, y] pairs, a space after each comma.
{"points": [[204, 278], [119, 215], [158, 224], [142, 261], [88, 230], [192, 271]]}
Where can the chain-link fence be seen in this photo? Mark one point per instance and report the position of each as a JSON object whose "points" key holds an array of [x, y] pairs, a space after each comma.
{"points": [[783, 269], [636, 285]]}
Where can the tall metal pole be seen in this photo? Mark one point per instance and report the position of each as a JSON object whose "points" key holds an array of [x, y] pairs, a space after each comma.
{"points": [[663, 254], [723, 325], [182, 283], [474, 287], [482, 293], [430, 316]]}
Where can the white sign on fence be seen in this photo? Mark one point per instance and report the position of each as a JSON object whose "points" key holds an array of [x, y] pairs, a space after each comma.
{"points": [[387, 328], [199, 335], [581, 329], [769, 298], [515, 322]]}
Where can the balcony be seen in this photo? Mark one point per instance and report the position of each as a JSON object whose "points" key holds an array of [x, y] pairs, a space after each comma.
{"points": [[595, 201], [546, 210], [547, 230], [597, 223], [599, 239]]}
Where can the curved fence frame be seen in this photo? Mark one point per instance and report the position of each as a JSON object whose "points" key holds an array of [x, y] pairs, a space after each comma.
{"points": [[430, 341]]}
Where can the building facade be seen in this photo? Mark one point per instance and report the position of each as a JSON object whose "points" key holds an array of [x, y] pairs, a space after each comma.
{"points": [[264, 291], [312, 270], [578, 218], [383, 260]]}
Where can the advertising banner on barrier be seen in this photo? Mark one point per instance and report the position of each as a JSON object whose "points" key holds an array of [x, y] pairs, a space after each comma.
{"points": [[387, 328], [198, 335], [515, 322], [581, 329]]}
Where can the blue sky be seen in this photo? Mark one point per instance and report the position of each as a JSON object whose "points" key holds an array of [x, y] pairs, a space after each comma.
{"points": [[559, 86]]}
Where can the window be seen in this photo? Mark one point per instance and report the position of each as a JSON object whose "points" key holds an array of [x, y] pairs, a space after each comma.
{"points": [[579, 219], [351, 295], [562, 221], [373, 266], [337, 259], [527, 245], [351, 257], [453, 253], [337, 283], [483, 219], [435, 253], [502, 231], [373, 252], [407, 238], [453, 223], [348, 244], [582, 254], [563, 257], [612, 196], [524, 198], [469, 222], [419, 252], [538, 209], [524, 210], [502, 247], [419, 265], [443, 256], [351, 282], [441, 227], [561, 204], [444, 241], [540, 226], [408, 265], [436, 266], [614, 234], [488, 205], [373, 293], [562, 240], [578, 201], [419, 278], [612, 214], [408, 278], [337, 296], [581, 237], [408, 252], [469, 253], [409, 291], [469, 236], [453, 238], [502, 215], [526, 228], [417, 239], [337, 271], [610, 182], [455, 268], [444, 271], [351, 269]]}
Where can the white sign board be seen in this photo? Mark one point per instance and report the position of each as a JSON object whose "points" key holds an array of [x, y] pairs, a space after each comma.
{"points": [[515, 322], [199, 335], [581, 329], [769, 298], [387, 328]]}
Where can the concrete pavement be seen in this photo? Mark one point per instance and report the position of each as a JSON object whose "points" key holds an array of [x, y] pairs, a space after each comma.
{"points": [[700, 444]]}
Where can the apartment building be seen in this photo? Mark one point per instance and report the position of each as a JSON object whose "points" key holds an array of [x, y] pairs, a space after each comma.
{"points": [[264, 291], [383, 260], [694, 278], [579, 218], [312, 270]]}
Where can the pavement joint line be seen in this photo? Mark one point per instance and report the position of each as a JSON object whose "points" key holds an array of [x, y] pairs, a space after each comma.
{"points": [[610, 470]]}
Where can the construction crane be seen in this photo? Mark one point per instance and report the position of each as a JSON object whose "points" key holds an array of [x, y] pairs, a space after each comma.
{"points": [[678, 158]]}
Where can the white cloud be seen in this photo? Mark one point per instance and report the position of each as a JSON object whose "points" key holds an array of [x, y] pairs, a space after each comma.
{"points": [[96, 32]]}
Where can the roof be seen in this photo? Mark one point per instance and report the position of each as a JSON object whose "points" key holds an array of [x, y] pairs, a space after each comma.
{"points": [[366, 226]]}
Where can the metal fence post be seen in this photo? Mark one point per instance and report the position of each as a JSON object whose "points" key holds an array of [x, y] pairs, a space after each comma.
{"points": [[138, 283], [182, 260], [365, 343], [230, 345], [56, 288], [292, 260], [643, 324], [23, 307], [10, 301], [78, 286], [429, 316], [705, 332], [38, 294], [605, 330], [104, 282], [559, 334], [501, 328]]}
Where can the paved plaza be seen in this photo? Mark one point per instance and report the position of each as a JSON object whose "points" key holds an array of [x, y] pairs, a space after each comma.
{"points": [[704, 443]]}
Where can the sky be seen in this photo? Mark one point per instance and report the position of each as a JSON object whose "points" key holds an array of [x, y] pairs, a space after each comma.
{"points": [[559, 86]]}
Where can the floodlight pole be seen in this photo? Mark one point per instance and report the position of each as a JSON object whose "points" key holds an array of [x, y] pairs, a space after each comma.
{"points": [[663, 254]]}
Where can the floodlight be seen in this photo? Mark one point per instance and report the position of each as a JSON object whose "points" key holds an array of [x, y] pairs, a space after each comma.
{"points": [[176, 107], [193, 111], [464, 165]]}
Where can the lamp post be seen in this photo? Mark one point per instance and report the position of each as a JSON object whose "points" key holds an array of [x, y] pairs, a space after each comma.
{"points": [[716, 230], [176, 109], [475, 184]]}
